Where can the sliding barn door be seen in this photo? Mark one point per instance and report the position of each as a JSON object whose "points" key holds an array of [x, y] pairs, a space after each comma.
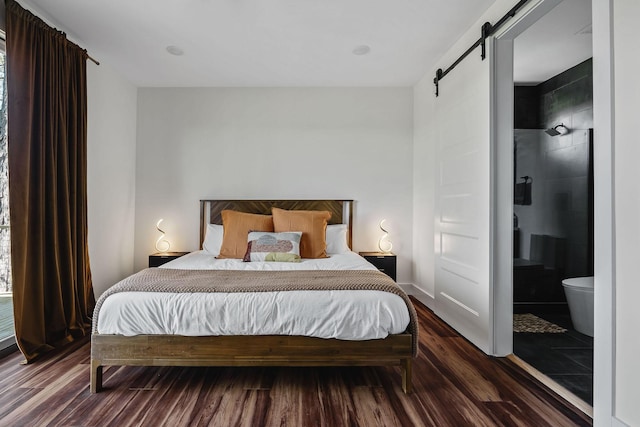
{"points": [[463, 201]]}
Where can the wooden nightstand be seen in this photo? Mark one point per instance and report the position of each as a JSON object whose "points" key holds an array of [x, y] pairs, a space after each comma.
{"points": [[159, 258], [383, 261]]}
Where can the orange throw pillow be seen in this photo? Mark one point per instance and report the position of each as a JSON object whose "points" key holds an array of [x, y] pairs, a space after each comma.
{"points": [[237, 226], [313, 225]]}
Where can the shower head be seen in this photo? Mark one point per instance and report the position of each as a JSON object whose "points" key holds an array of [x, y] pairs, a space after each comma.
{"points": [[552, 132], [557, 130]]}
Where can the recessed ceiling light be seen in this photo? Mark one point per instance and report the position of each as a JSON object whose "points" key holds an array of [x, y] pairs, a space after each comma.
{"points": [[175, 50], [361, 50]]}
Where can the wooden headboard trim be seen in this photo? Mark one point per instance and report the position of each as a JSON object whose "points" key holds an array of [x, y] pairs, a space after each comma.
{"points": [[211, 210]]}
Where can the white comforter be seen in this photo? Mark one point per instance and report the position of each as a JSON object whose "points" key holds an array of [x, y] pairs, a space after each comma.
{"points": [[348, 315]]}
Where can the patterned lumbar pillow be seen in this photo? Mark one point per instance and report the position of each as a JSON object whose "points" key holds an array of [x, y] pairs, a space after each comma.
{"points": [[280, 247]]}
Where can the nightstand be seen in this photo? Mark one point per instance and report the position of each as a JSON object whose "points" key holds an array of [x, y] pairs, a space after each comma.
{"points": [[159, 258], [383, 261]]}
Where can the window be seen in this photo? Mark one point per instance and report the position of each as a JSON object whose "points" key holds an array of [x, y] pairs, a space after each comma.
{"points": [[6, 301]]}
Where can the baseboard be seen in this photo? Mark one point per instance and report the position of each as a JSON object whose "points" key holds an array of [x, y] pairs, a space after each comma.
{"points": [[418, 294], [9, 349]]}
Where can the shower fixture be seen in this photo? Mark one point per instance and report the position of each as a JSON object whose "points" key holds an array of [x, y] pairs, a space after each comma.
{"points": [[560, 129]]}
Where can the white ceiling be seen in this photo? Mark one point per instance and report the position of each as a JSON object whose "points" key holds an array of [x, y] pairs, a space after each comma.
{"points": [[281, 43], [265, 43], [557, 42]]}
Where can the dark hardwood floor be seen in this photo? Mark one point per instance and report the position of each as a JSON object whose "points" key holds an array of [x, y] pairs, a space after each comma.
{"points": [[454, 385]]}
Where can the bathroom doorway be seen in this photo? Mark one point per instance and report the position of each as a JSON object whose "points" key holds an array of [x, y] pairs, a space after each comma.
{"points": [[553, 198]]}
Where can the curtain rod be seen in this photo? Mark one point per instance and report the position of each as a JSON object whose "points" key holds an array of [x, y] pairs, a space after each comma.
{"points": [[3, 39], [86, 54], [486, 30], [91, 59]]}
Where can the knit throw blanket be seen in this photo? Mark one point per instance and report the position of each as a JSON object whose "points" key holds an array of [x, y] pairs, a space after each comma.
{"points": [[196, 281]]}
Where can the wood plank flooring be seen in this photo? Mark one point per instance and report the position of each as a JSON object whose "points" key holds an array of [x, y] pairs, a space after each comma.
{"points": [[454, 385]]}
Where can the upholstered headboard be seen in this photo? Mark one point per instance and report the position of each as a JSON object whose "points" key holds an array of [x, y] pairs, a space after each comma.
{"points": [[211, 210]]}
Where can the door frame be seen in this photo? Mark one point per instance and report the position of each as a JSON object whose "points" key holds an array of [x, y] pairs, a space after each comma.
{"points": [[501, 106], [501, 56]]}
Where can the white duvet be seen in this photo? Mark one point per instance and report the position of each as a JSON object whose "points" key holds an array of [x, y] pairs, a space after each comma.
{"points": [[347, 315]]}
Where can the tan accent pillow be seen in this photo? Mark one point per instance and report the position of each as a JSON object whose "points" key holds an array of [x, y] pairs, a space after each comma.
{"points": [[237, 226], [313, 225]]}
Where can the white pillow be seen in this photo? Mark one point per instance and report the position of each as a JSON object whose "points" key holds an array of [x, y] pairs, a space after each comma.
{"points": [[337, 239], [213, 239], [279, 247]]}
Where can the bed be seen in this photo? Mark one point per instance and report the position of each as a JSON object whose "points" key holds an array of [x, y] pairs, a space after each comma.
{"points": [[113, 342]]}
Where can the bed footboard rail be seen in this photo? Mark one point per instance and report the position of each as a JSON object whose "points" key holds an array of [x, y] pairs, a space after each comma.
{"points": [[171, 350]]}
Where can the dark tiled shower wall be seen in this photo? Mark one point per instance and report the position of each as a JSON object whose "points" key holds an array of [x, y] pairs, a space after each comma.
{"points": [[566, 98], [562, 196]]}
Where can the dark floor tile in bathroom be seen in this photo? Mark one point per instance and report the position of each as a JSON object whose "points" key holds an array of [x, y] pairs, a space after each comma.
{"points": [[566, 357], [553, 362], [543, 341], [547, 355], [585, 339], [580, 385], [564, 320], [581, 356]]}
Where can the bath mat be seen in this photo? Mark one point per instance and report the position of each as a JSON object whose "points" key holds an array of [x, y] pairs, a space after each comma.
{"points": [[528, 322]]}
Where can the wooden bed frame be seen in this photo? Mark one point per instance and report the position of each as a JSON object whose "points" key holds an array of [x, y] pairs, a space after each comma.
{"points": [[174, 350]]}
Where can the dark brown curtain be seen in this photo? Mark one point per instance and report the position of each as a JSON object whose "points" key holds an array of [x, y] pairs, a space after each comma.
{"points": [[47, 128]]}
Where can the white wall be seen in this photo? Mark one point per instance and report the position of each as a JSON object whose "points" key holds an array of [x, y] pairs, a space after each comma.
{"points": [[424, 177], [111, 140], [257, 143], [627, 208]]}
